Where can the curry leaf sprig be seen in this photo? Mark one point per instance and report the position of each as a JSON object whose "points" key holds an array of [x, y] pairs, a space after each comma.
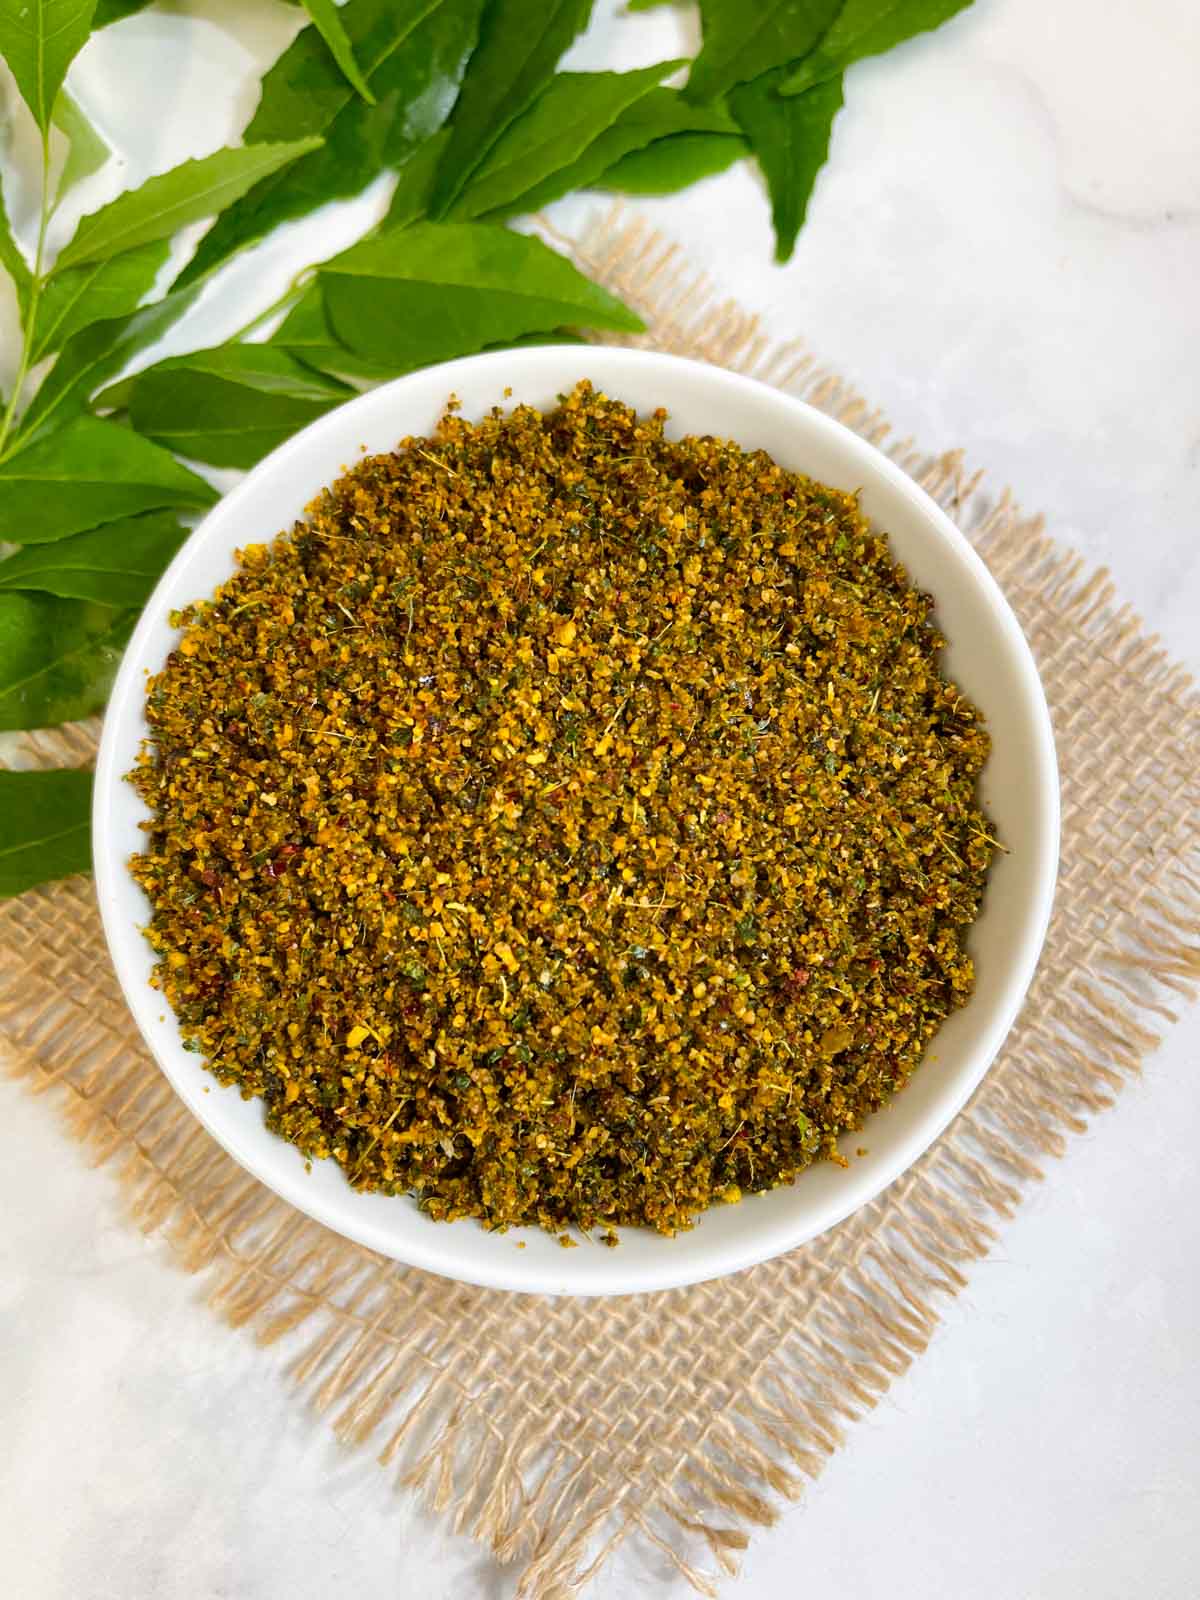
{"points": [[464, 102], [778, 64]]}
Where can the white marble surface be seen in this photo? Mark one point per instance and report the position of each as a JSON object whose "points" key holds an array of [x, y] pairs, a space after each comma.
{"points": [[1004, 253]]}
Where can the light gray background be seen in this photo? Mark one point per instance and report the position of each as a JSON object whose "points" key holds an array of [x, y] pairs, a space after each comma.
{"points": [[1004, 253]]}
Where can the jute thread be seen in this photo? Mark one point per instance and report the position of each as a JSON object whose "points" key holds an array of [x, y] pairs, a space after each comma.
{"points": [[555, 1430]]}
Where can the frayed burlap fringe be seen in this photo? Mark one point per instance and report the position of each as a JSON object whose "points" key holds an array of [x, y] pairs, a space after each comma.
{"points": [[554, 1430]]}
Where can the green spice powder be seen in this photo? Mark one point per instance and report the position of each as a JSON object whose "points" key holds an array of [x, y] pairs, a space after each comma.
{"points": [[562, 824]]}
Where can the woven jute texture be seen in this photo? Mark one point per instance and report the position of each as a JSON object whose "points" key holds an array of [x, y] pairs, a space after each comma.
{"points": [[556, 1429]]}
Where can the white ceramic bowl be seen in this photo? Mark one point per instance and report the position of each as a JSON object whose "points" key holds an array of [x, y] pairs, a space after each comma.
{"points": [[987, 655]]}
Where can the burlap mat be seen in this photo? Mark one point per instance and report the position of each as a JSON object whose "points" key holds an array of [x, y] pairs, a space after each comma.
{"points": [[556, 1429]]}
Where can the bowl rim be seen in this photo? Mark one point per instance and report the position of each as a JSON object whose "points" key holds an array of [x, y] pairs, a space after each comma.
{"points": [[189, 1079]]}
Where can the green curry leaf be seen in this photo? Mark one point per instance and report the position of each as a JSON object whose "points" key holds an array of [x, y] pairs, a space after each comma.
{"points": [[229, 406], [327, 20], [45, 827], [95, 354], [650, 118], [413, 56], [519, 47], [306, 334], [742, 42], [540, 152], [87, 473], [791, 141], [664, 112], [304, 92], [673, 163], [12, 260], [86, 150], [436, 290], [414, 188], [117, 564], [57, 658], [39, 39], [78, 296], [188, 193], [867, 28]]}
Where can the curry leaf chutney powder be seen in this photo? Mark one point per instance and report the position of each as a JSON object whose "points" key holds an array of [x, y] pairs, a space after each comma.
{"points": [[562, 824]]}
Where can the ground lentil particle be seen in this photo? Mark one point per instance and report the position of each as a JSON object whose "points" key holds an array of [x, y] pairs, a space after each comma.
{"points": [[562, 824]]}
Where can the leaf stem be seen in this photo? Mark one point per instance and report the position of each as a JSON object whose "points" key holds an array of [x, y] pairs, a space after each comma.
{"points": [[297, 285], [35, 292]]}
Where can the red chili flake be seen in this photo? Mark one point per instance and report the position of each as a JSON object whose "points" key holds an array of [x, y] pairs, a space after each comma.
{"points": [[282, 860]]}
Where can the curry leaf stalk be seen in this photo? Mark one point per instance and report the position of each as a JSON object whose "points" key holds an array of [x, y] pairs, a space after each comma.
{"points": [[283, 302]]}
